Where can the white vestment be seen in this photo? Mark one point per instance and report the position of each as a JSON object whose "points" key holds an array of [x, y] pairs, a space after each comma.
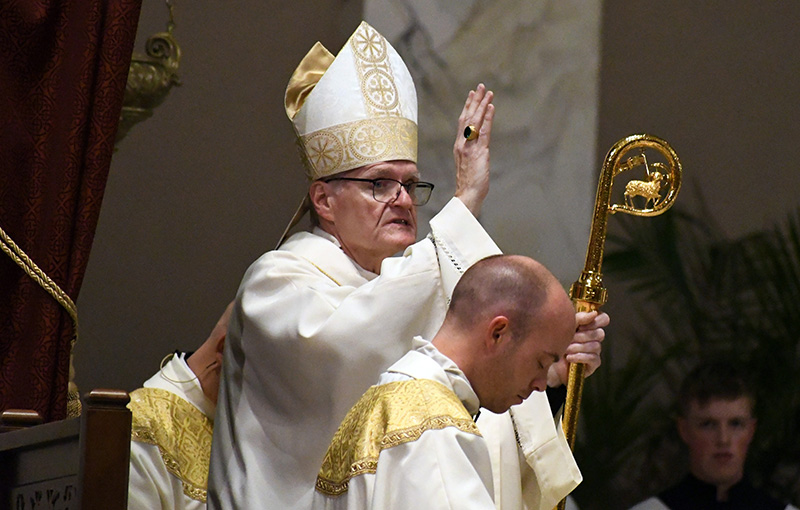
{"points": [[311, 331], [532, 463], [185, 447], [429, 452]]}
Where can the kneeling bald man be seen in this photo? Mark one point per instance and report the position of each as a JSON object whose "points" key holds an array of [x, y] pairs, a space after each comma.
{"points": [[411, 441]]}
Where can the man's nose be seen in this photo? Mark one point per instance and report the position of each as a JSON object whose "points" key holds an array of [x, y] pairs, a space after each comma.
{"points": [[539, 383], [403, 198], [724, 435]]}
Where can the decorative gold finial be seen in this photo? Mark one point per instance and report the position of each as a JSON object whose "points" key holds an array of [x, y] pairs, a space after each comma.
{"points": [[150, 78]]}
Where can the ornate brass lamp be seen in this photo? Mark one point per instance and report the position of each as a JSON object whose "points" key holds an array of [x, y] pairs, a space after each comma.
{"points": [[150, 78], [654, 194]]}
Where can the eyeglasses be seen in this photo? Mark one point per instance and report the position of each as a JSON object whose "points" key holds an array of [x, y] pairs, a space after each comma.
{"points": [[388, 190]]}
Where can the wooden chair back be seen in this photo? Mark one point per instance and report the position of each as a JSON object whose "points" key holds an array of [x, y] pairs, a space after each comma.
{"points": [[79, 463]]}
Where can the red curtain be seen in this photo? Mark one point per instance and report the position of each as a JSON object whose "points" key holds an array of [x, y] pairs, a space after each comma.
{"points": [[63, 68]]}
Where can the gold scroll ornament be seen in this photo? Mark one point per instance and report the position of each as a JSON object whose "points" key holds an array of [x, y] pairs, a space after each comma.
{"points": [[650, 196], [150, 78]]}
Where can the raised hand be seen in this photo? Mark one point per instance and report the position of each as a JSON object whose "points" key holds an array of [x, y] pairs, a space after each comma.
{"points": [[472, 155]]}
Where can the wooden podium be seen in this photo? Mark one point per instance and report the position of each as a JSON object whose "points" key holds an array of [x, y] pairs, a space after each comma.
{"points": [[75, 464]]}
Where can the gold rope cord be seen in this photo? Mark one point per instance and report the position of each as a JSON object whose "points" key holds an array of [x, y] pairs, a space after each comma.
{"points": [[31, 269]]}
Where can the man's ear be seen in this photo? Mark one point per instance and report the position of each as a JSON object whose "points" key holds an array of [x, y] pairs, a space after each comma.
{"points": [[319, 194], [497, 332]]}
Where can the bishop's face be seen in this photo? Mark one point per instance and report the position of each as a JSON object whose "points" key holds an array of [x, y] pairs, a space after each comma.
{"points": [[368, 230], [718, 435]]}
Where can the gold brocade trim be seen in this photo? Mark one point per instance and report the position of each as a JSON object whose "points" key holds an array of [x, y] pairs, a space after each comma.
{"points": [[353, 144], [181, 432], [387, 416]]}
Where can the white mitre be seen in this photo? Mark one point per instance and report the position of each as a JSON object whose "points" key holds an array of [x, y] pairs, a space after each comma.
{"points": [[355, 109]]}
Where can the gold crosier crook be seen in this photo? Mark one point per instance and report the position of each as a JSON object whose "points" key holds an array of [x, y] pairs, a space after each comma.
{"points": [[588, 293]]}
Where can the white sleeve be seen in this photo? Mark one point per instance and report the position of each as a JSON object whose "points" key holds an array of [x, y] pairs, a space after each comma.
{"points": [[539, 470], [296, 321], [456, 255], [151, 486], [148, 478]]}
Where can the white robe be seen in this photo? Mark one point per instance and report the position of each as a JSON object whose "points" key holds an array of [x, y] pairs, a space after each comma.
{"points": [[538, 471], [310, 332], [151, 485], [444, 468]]}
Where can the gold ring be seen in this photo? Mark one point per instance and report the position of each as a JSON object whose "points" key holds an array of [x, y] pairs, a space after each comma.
{"points": [[470, 133]]}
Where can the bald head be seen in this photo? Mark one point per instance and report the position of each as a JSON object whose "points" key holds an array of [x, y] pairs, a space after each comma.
{"points": [[509, 320], [509, 285]]}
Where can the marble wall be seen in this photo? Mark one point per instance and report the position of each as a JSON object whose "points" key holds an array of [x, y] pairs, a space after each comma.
{"points": [[542, 61]]}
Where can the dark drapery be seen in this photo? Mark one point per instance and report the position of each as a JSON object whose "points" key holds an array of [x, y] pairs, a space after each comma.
{"points": [[63, 67]]}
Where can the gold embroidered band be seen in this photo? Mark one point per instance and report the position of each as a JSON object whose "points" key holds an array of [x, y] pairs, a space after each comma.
{"points": [[387, 416], [354, 144], [181, 432]]}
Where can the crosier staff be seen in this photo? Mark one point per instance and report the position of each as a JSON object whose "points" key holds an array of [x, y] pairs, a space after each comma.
{"points": [[588, 293]]}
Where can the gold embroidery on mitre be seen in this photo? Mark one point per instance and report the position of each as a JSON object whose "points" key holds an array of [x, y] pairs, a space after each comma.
{"points": [[384, 135], [354, 144], [371, 55], [181, 432], [387, 416]]}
